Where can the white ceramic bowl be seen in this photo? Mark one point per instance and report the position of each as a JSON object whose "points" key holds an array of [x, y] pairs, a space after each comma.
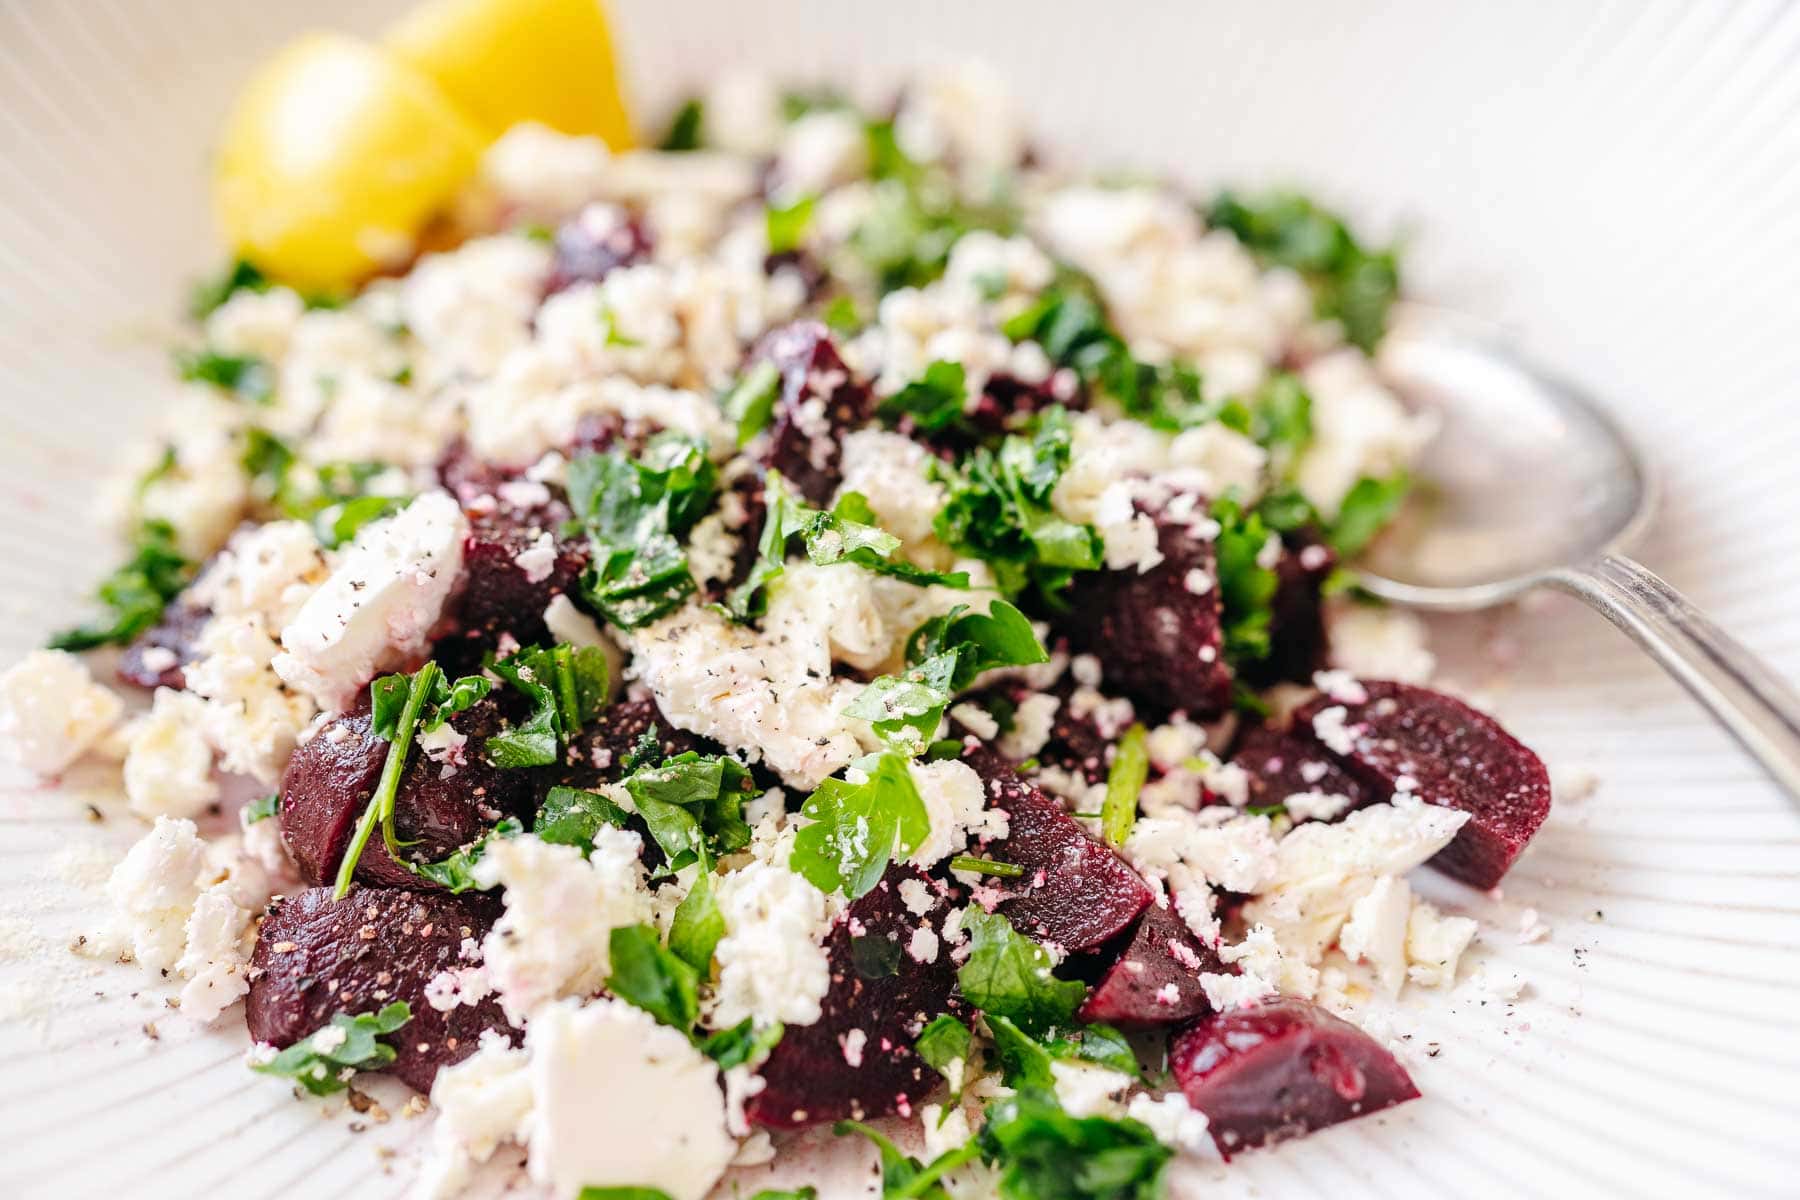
{"points": [[1619, 182]]}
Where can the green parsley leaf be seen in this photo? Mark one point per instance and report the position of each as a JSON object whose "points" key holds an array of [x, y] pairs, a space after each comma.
{"points": [[1045, 1154], [1285, 509], [857, 829], [338, 523], [998, 510], [1246, 587], [698, 925], [570, 816], [904, 1177], [135, 594], [209, 295], [567, 688], [934, 401], [243, 375], [1023, 1062], [741, 1045], [1349, 282], [649, 975], [1124, 780], [694, 806], [841, 316], [400, 724], [1366, 509], [946, 1040], [262, 808], [687, 129], [456, 873], [1000, 870], [1097, 1043], [786, 225], [323, 1061], [805, 1193], [634, 512], [1009, 975], [751, 400]]}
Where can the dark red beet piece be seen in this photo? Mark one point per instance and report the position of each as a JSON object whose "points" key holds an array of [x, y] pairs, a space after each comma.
{"points": [[809, 1078], [599, 751], [1296, 623], [590, 244], [820, 401], [144, 662], [1456, 757], [1162, 642], [500, 594], [331, 777], [1282, 764], [316, 957], [1163, 952], [1075, 892], [1280, 1070]]}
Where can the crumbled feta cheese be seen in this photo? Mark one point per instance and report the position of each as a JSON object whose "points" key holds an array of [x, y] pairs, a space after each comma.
{"points": [[1376, 931], [1531, 929], [956, 803], [916, 894], [853, 1044], [1379, 643], [481, 1102], [923, 945], [52, 711], [554, 938], [168, 765], [943, 1131], [772, 961], [468, 307], [1174, 1123], [976, 719], [1341, 686], [251, 717], [1329, 727], [1359, 429], [1086, 1089], [820, 151], [1316, 806], [213, 960], [1435, 944], [378, 606], [540, 174], [153, 890], [1259, 956], [961, 114], [1239, 855], [1226, 992]]}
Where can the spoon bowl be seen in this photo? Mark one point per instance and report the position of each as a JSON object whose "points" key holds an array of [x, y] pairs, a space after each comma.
{"points": [[1529, 482]]}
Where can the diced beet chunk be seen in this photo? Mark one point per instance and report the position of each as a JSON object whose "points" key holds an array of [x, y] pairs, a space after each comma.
{"points": [[515, 562], [331, 777], [820, 401], [1452, 756], [1160, 633], [600, 749], [1282, 764], [316, 957], [589, 245], [1280, 1070], [817, 1072], [1156, 981], [1296, 620], [158, 655], [1074, 892]]}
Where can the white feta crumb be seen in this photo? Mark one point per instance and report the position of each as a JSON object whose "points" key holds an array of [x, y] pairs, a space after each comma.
{"points": [[52, 711], [1086, 1089], [481, 1102], [917, 896], [956, 804], [1531, 927], [1173, 1121], [923, 945], [976, 719], [1033, 722], [1435, 944], [168, 761], [1376, 931], [772, 961], [153, 890], [1340, 686], [1330, 727], [1316, 806], [852, 1044], [538, 560]]}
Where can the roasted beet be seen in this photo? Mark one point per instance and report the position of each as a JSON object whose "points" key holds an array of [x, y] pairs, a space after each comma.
{"points": [[1282, 1069], [316, 957], [590, 244], [158, 655], [514, 563], [820, 401], [1156, 981], [600, 750], [1282, 764], [1074, 892], [823, 1072], [1160, 632], [331, 777], [1296, 620], [1452, 756]]}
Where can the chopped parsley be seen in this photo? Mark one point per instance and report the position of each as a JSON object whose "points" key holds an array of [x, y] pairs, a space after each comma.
{"points": [[943, 1042], [135, 594], [874, 957], [743, 1044], [751, 400], [1246, 587], [998, 510], [841, 315], [333, 498], [985, 866], [945, 655], [1124, 781], [1043, 1153], [566, 686], [570, 817], [456, 873], [857, 827], [323, 1061], [697, 926], [915, 215], [786, 225], [934, 401], [845, 534], [244, 376], [1009, 975], [687, 130], [646, 973], [1366, 509], [209, 295], [694, 806], [634, 512], [262, 808], [904, 1177], [1350, 283]]}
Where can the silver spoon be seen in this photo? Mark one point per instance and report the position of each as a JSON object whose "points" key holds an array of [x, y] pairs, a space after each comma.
{"points": [[1529, 483]]}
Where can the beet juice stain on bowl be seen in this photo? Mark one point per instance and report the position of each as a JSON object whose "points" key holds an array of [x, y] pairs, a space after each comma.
{"points": [[803, 626]]}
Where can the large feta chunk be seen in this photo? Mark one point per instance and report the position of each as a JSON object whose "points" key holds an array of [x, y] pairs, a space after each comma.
{"points": [[377, 608], [153, 890], [251, 717], [621, 1100], [168, 761], [1376, 932], [1435, 944], [772, 960], [213, 959], [481, 1102], [52, 711]]}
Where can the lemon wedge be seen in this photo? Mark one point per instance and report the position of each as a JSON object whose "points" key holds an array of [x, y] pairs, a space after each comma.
{"points": [[334, 158], [506, 61]]}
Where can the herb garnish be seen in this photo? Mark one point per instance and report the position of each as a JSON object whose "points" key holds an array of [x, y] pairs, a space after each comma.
{"points": [[1124, 781], [649, 975], [785, 225], [244, 376], [986, 866], [1365, 510], [934, 401], [694, 806], [697, 926], [1045, 1154], [1246, 587], [566, 686], [209, 295], [1009, 975], [262, 808], [751, 400], [634, 512], [687, 128], [456, 873], [332, 497], [571, 816], [323, 1061], [136, 593], [857, 828]]}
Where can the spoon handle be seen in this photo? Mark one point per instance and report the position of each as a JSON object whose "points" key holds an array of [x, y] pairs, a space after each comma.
{"points": [[1750, 700]]}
